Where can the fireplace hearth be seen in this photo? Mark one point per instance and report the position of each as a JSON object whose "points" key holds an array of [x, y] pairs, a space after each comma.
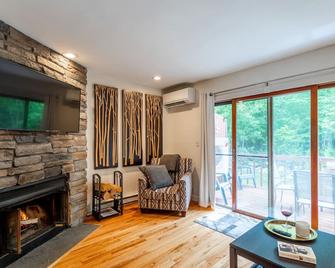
{"points": [[30, 215]]}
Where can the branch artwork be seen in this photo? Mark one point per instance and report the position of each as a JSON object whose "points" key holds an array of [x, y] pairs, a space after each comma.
{"points": [[132, 128], [106, 127], [153, 116]]}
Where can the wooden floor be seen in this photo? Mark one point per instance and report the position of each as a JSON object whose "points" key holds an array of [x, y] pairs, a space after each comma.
{"points": [[151, 240]]}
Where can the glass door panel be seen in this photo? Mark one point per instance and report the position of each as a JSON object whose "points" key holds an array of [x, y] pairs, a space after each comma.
{"points": [[223, 155], [273, 156], [326, 172], [291, 127], [252, 156]]}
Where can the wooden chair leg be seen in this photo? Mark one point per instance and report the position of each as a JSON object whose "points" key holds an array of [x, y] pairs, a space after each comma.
{"points": [[183, 213]]}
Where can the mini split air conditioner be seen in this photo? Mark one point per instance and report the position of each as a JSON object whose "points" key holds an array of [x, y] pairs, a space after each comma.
{"points": [[179, 97]]}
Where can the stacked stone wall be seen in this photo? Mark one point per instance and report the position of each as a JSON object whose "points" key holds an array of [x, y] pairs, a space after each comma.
{"points": [[26, 157]]}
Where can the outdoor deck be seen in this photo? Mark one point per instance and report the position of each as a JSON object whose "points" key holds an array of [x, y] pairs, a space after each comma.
{"points": [[291, 181], [255, 200]]}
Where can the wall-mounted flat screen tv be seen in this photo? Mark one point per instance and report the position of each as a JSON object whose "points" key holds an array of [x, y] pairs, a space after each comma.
{"points": [[32, 101]]}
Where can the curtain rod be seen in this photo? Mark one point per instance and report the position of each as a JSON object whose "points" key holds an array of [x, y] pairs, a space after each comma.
{"points": [[270, 81]]}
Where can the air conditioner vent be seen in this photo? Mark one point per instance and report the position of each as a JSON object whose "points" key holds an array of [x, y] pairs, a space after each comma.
{"points": [[178, 103], [179, 98]]}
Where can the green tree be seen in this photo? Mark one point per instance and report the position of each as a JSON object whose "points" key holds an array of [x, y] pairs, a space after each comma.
{"points": [[291, 124]]}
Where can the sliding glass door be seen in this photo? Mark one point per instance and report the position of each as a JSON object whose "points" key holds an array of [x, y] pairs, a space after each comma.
{"points": [[291, 120], [326, 166], [276, 152], [252, 156]]}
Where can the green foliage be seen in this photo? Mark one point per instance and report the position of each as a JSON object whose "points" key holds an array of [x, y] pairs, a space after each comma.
{"points": [[291, 124], [16, 113], [251, 129], [11, 113], [326, 117], [35, 115]]}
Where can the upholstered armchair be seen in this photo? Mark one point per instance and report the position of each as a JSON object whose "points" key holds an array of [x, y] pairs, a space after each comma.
{"points": [[174, 198]]}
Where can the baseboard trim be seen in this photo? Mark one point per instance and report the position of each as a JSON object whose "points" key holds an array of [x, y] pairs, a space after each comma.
{"points": [[130, 199]]}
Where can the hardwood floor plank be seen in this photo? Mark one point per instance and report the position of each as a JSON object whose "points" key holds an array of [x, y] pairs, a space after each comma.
{"points": [[157, 239]]}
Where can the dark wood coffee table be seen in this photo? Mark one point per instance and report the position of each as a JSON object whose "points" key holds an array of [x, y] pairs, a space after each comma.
{"points": [[259, 246]]}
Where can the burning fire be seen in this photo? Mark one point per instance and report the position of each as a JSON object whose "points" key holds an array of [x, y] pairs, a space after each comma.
{"points": [[23, 216]]}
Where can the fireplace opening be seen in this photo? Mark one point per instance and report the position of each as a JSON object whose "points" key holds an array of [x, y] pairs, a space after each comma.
{"points": [[33, 214]]}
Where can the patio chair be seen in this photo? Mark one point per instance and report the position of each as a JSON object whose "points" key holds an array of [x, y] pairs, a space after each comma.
{"points": [[326, 190], [223, 183], [245, 173]]}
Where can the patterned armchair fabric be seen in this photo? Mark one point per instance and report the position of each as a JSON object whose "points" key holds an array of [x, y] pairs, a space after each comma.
{"points": [[174, 198]]}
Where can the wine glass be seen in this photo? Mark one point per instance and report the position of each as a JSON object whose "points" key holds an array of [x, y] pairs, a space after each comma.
{"points": [[287, 211]]}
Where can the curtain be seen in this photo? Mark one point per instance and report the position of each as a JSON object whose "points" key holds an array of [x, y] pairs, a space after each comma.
{"points": [[207, 174]]}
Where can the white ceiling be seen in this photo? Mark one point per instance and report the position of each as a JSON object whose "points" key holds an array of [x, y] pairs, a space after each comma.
{"points": [[182, 40]]}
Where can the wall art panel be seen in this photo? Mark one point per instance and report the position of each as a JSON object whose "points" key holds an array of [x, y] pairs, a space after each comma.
{"points": [[154, 121], [132, 128], [106, 127]]}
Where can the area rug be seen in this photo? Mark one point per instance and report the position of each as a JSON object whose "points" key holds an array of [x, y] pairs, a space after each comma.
{"points": [[54, 248], [231, 224]]}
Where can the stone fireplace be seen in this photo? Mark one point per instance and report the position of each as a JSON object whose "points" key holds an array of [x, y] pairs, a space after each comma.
{"points": [[35, 158]]}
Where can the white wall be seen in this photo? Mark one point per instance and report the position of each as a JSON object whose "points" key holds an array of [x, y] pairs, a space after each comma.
{"points": [[130, 173], [181, 134], [182, 128]]}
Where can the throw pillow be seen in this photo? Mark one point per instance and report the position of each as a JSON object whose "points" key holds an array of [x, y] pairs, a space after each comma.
{"points": [[158, 176]]}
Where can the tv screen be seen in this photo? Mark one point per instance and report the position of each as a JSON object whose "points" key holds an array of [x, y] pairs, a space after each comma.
{"points": [[32, 101]]}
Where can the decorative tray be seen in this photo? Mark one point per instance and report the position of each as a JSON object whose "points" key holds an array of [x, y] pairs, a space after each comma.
{"points": [[273, 226]]}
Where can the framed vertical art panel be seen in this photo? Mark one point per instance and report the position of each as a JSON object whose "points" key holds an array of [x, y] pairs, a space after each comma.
{"points": [[132, 154], [153, 126], [105, 127]]}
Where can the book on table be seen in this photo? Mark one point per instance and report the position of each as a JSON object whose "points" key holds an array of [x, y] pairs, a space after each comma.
{"points": [[296, 252]]}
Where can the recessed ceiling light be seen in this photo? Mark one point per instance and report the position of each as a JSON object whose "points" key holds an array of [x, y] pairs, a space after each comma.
{"points": [[70, 55], [156, 78]]}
